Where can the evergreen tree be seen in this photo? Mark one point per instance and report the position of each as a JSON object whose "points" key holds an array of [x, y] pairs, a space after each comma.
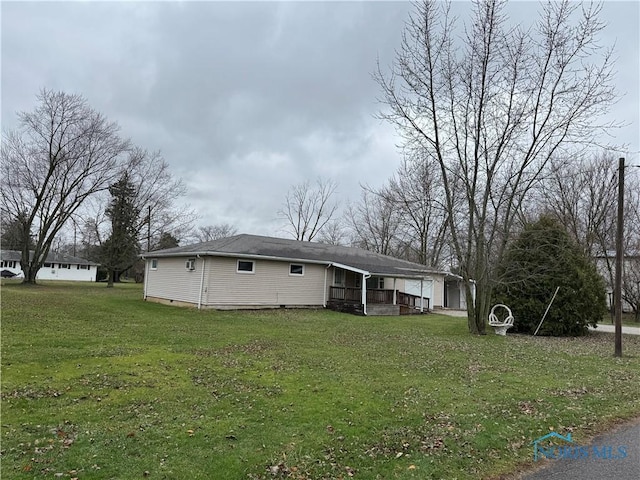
{"points": [[121, 249], [542, 258], [166, 241]]}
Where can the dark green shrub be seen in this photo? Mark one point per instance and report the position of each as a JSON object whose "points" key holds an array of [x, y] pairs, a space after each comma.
{"points": [[542, 258]]}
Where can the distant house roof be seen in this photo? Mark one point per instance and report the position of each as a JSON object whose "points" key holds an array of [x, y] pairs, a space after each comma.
{"points": [[257, 246], [51, 258]]}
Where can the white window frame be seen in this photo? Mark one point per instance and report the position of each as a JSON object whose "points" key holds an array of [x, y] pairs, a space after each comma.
{"points": [[247, 272], [344, 277], [292, 274], [190, 264], [154, 264]]}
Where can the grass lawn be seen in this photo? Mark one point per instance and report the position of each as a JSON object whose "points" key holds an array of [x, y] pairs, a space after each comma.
{"points": [[98, 384]]}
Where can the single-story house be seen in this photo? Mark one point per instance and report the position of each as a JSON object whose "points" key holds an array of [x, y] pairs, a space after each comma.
{"points": [[250, 271], [56, 267]]}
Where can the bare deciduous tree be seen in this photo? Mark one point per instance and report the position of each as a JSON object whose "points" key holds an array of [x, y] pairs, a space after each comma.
{"points": [[157, 193], [492, 103], [215, 232], [631, 280], [416, 191], [375, 224], [62, 153], [334, 233], [308, 208], [582, 193]]}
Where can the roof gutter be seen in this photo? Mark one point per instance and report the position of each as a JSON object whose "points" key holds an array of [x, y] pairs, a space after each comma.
{"points": [[234, 255], [352, 269]]}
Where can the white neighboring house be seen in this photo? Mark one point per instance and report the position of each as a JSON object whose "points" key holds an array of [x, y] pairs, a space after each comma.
{"points": [[605, 263], [250, 271], [56, 267]]}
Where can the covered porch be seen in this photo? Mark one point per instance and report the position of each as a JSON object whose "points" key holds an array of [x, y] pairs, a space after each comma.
{"points": [[361, 293]]}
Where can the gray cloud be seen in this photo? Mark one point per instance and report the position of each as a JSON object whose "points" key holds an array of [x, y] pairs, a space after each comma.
{"points": [[243, 99]]}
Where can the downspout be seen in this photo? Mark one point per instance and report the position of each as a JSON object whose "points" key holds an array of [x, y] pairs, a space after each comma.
{"points": [[421, 296], [395, 299], [201, 282], [324, 294], [146, 276], [364, 292]]}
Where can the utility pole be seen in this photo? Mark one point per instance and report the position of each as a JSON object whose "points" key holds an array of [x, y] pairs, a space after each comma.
{"points": [[617, 296], [75, 228], [149, 229]]}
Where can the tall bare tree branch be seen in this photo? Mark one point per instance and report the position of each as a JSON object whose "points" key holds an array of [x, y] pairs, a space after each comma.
{"points": [[492, 104], [63, 153], [308, 209]]}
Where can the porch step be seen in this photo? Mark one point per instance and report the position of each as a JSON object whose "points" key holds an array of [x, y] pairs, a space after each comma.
{"points": [[406, 310], [377, 309]]}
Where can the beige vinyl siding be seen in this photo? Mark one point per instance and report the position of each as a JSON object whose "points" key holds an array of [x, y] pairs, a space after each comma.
{"points": [[269, 285], [172, 281], [388, 283], [438, 291]]}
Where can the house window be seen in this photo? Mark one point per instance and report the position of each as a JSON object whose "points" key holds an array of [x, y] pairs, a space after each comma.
{"points": [[245, 266], [64, 265], [296, 269], [8, 264], [338, 277], [375, 283], [190, 264], [48, 265], [154, 264], [83, 267]]}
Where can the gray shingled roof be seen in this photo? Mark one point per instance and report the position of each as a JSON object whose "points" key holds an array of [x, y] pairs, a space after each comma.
{"points": [[51, 258], [279, 248]]}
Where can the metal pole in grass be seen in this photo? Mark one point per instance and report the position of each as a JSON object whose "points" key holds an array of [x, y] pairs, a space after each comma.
{"points": [[546, 311], [617, 296]]}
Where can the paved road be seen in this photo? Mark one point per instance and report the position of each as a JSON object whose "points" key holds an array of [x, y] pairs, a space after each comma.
{"points": [[612, 329], [601, 327], [594, 468]]}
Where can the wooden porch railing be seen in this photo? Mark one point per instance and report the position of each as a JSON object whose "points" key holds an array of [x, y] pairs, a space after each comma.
{"points": [[382, 296], [411, 300]]}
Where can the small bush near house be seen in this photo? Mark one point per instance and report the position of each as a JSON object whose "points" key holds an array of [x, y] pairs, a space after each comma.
{"points": [[541, 259]]}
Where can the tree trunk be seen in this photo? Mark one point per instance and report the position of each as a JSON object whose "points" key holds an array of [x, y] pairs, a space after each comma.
{"points": [[110, 278], [482, 311], [478, 310], [30, 273]]}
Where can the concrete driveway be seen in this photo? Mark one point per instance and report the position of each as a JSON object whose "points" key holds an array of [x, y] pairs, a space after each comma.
{"points": [[612, 329], [601, 327]]}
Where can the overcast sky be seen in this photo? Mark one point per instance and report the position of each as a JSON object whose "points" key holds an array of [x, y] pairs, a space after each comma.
{"points": [[245, 99]]}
